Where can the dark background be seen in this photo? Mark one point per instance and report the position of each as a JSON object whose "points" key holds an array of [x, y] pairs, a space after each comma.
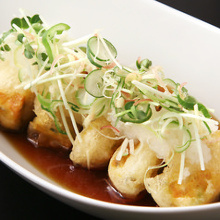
{"points": [[20, 200], [206, 10]]}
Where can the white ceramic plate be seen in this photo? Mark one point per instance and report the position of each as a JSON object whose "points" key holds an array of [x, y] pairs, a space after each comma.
{"points": [[187, 48]]}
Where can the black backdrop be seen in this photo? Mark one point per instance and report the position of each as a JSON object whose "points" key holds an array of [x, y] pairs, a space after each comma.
{"points": [[20, 200]]}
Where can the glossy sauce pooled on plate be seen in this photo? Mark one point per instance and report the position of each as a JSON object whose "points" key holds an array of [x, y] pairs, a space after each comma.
{"points": [[55, 164]]}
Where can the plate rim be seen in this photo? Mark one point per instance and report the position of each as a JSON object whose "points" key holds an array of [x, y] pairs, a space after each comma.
{"points": [[43, 185]]}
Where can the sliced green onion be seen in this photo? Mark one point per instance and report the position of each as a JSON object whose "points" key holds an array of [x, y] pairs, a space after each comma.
{"points": [[84, 98], [171, 85], [94, 83], [98, 50], [187, 103], [94, 61], [162, 164], [49, 36], [101, 111], [49, 106], [204, 110], [208, 128], [186, 145]]}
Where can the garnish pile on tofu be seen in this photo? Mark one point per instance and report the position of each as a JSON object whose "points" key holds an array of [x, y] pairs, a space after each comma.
{"points": [[150, 133]]}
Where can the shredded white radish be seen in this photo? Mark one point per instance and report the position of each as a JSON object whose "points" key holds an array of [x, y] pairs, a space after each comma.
{"points": [[154, 91], [77, 41], [199, 147], [65, 124], [122, 149], [131, 146], [182, 164], [48, 73], [67, 107]]}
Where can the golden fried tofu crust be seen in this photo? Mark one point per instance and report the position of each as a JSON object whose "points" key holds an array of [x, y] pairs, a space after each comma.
{"points": [[16, 110], [16, 104], [127, 174], [95, 149], [198, 186], [42, 131]]}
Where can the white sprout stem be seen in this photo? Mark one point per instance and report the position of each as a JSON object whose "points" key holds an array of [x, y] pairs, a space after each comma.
{"points": [[127, 91], [61, 77], [148, 76], [46, 74], [19, 30], [71, 51], [31, 76], [188, 115], [74, 125], [66, 105], [122, 149], [65, 124], [154, 91], [35, 81], [199, 147], [43, 67], [70, 83], [71, 63], [81, 40], [165, 124], [44, 22], [131, 146], [182, 164]]}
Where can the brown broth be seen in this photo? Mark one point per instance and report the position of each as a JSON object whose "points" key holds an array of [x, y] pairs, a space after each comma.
{"points": [[55, 164]]}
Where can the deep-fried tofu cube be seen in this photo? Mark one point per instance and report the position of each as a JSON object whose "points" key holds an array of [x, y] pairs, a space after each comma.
{"points": [[96, 148], [42, 130], [16, 104], [198, 186]]}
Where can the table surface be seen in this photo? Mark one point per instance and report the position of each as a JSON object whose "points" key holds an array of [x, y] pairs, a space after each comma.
{"points": [[20, 200]]}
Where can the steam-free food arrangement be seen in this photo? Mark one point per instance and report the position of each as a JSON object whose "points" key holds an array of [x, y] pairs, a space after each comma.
{"points": [[144, 130]]}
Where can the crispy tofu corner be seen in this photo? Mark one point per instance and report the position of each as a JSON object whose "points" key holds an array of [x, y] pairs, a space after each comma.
{"points": [[16, 105], [198, 186], [127, 175], [95, 149], [42, 131], [16, 110]]}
